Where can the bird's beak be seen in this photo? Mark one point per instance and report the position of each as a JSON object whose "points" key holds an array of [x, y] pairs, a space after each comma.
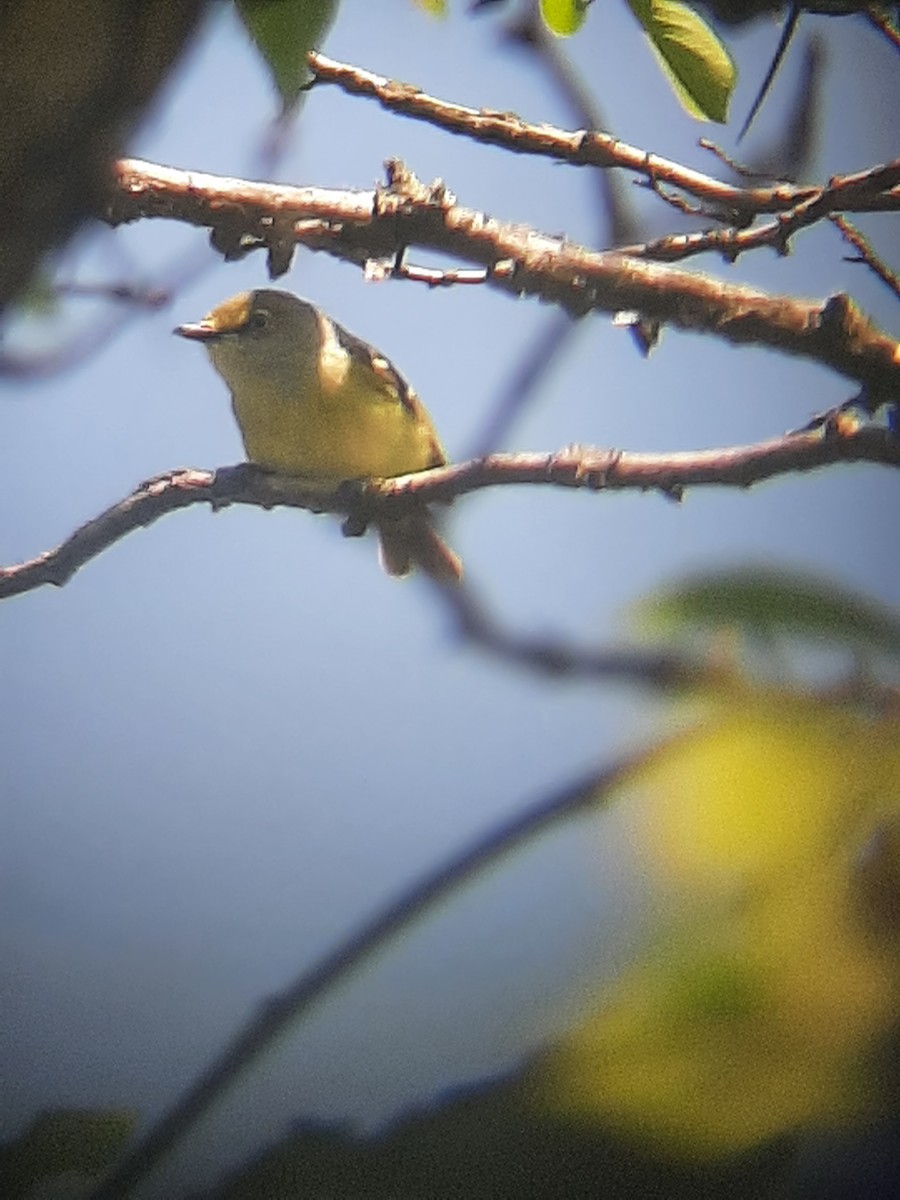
{"points": [[202, 331]]}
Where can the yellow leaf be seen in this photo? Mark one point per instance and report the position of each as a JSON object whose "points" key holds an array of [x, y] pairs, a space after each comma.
{"points": [[760, 1007]]}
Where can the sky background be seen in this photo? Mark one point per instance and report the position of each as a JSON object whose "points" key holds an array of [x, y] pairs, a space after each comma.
{"points": [[230, 737]]}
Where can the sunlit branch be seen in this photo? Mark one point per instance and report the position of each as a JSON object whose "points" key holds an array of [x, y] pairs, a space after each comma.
{"points": [[359, 226], [863, 191]]}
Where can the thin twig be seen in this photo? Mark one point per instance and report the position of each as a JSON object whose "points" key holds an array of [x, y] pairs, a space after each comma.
{"points": [[741, 169], [377, 270], [733, 241], [658, 670], [787, 33], [866, 253], [789, 155]]}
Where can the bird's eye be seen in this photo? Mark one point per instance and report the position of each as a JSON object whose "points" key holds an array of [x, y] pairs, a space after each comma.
{"points": [[259, 319]]}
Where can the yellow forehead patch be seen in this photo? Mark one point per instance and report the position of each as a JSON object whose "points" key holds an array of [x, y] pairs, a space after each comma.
{"points": [[232, 314]]}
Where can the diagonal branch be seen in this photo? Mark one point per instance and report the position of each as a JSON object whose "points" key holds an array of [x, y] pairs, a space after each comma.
{"points": [[866, 253], [864, 191], [597, 470], [360, 225]]}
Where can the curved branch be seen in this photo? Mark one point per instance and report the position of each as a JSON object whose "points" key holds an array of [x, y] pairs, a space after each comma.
{"points": [[875, 190], [731, 242], [601, 470], [358, 226], [575, 467]]}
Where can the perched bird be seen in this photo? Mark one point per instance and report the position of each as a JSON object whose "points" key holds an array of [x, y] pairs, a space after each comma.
{"points": [[311, 399]]}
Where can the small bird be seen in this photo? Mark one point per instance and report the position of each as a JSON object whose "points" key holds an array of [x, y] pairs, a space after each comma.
{"points": [[311, 399]]}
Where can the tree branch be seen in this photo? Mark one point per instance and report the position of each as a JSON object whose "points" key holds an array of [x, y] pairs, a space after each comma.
{"points": [[864, 191], [360, 225], [597, 470], [657, 669]]}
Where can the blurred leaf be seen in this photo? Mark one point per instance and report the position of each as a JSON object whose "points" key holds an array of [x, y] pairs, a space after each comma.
{"points": [[763, 1005], [769, 785], [791, 153], [285, 31], [437, 8], [40, 298], [697, 63], [63, 1142], [563, 17], [756, 601]]}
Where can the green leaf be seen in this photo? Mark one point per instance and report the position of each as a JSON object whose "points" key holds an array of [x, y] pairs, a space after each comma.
{"points": [[285, 31], [757, 1009], [436, 8], [699, 66], [564, 17], [766, 602]]}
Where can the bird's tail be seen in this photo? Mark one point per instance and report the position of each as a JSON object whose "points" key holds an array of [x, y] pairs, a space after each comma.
{"points": [[411, 542]]}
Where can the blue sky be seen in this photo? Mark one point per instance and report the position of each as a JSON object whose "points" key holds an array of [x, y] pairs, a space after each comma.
{"points": [[231, 736]]}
